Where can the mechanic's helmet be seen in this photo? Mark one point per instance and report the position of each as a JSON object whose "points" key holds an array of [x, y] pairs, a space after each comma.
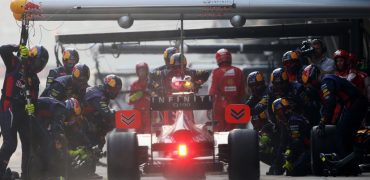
{"points": [[256, 82], [281, 108], [168, 53], [279, 80], [343, 55], [177, 61], [73, 106], [290, 58], [223, 56], [311, 75], [322, 44], [142, 69], [279, 76], [280, 104], [70, 58], [38, 57], [80, 74], [112, 85]]}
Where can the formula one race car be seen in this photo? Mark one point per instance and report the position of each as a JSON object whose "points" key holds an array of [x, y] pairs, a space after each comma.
{"points": [[184, 148]]}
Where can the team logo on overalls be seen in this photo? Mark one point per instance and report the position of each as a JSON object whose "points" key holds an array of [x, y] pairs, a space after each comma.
{"points": [[77, 108], [305, 76]]}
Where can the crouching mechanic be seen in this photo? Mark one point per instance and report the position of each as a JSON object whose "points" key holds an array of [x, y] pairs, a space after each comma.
{"points": [[294, 138], [258, 101], [99, 117], [48, 136], [343, 106]]}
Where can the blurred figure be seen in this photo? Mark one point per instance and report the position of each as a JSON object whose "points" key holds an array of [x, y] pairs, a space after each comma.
{"points": [[326, 65], [346, 65], [361, 80], [156, 82], [258, 104], [357, 77], [258, 90], [227, 87], [139, 96], [166, 57], [20, 79], [70, 59], [177, 68], [50, 143]]}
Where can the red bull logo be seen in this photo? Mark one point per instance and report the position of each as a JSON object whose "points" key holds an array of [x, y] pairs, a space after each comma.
{"points": [[31, 6], [76, 72], [66, 55], [32, 9], [33, 52], [110, 81]]}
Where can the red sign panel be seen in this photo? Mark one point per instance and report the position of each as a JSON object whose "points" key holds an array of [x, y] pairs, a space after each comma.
{"points": [[237, 114], [128, 119]]}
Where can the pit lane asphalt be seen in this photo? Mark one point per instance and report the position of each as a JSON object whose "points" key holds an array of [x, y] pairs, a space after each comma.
{"points": [[15, 163]]}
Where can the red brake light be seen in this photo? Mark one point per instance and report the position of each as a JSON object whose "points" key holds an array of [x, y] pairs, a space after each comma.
{"points": [[182, 150]]}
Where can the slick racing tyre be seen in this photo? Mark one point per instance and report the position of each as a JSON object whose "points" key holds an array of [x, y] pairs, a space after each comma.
{"points": [[244, 155], [122, 156], [321, 144]]}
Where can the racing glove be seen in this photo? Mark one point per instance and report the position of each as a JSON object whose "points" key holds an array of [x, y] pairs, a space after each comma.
{"points": [[30, 109], [264, 139], [136, 96], [288, 165], [23, 51]]}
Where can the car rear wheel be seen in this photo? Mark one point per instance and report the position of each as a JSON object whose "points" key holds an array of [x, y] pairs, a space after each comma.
{"points": [[122, 156], [321, 144], [243, 154]]}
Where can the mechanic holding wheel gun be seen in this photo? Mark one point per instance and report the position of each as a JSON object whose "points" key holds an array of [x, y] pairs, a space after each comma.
{"points": [[14, 108]]}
